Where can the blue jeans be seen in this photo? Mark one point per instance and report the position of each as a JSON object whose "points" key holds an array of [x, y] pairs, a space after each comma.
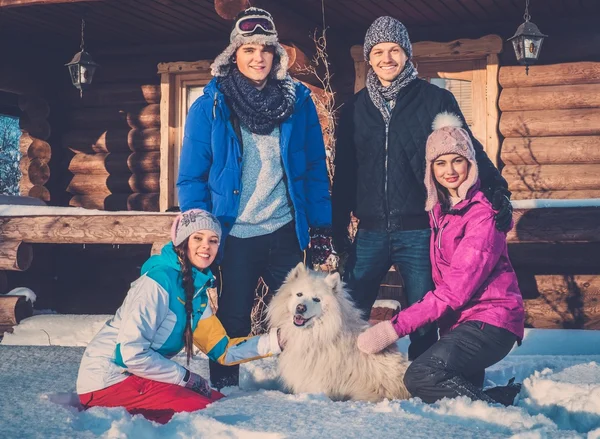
{"points": [[372, 255]]}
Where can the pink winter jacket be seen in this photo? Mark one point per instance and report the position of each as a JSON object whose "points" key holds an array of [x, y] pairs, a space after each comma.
{"points": [[474, 279]]}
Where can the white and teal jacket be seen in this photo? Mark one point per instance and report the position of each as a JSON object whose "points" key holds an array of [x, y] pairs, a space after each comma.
{"points": [[147, 330]]}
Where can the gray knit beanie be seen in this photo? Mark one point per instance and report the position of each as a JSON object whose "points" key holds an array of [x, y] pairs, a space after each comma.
{"points": [[222, 63], [192, 221], [387, 30]]}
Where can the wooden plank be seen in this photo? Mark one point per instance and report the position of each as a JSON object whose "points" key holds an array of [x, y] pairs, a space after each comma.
{"points": [[168, 132], [479, 100], [463, 48], [552, 177], [17, 3], [577, 194], [88, 229], [492, 145], [554, 74], [360, 68], [202, 66], [550, 97], [576, 122], [551, 150], [577, 224]]}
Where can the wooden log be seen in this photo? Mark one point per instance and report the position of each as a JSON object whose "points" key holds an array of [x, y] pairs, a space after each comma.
{"points": [[300, 65], [115, 163], [561, 301], [82, 184], [228, 9], [113, 140], [555, 195], [552, 177], [147, 116], [88, 229], [40, 150], [36, 107], [551, 150], [463, 48], [15, 255], [35, 127], [36, 171], [555, 257], [576, 224], [122, 94], [13, 309], [555, 74], [39, 191], [554, 97], [113, 202], [25, 142], [578, 122], [157, 247]]}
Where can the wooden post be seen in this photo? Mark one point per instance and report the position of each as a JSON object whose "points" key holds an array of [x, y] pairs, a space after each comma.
{"points": [[15, 255], [361, 67]]}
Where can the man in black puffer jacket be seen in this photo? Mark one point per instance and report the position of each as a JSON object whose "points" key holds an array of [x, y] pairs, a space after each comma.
{"points": [[379, 174]]}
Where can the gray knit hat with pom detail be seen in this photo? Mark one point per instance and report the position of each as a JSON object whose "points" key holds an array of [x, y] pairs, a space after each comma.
{"points": [[222, 63], [387, 30], [191, 221]]}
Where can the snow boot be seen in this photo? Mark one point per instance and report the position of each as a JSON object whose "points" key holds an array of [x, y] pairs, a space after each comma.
{"points": [[505, 395]]}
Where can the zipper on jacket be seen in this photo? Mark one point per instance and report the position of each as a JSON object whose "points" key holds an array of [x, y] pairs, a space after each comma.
{"points": [[385, 190], [440, 237]]}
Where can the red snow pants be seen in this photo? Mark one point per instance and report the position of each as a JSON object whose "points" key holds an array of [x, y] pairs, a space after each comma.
{"points": [[154, 400]]}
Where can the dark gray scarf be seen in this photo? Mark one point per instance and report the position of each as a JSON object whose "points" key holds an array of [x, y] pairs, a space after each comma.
{"points": [[259, 110], [381, 95]]}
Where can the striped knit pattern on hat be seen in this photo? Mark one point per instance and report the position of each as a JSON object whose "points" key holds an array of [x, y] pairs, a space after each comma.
{"points": [[448, 137], [191, 221], [387, 30], [222, 63]]}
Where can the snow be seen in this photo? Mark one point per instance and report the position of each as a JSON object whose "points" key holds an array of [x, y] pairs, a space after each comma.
{"points": [[559, 369], [24, 210], [547, 203], [23, 291]]}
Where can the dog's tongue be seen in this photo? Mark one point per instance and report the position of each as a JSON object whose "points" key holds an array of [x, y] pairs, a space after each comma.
{"points": [[299, 320]]}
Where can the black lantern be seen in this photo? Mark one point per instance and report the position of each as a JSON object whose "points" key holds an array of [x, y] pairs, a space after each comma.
{"points": [[527, 41], [82, 66]]}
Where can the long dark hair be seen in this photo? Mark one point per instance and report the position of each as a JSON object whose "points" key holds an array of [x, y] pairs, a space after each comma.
{"points": [[187, 281], [443, 196]]}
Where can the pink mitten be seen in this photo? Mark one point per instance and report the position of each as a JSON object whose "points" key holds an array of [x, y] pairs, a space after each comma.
{"points": [[377, 338]]}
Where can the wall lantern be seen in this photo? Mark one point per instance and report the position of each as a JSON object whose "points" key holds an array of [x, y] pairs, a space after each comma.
{"points": [[527, 41], [82, 66]]}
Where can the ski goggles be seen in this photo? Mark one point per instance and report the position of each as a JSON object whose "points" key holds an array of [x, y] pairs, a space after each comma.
{"points": [[250, 24]]}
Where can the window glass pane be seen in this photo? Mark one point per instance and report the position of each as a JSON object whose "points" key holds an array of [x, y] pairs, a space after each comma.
{"points": [[10, 155], [193, 93], [462, 91]]}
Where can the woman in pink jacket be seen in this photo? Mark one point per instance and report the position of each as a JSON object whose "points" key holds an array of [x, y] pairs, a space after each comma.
{"points": [[476, 300]]}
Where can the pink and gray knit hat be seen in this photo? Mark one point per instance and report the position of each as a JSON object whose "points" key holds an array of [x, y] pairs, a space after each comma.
{"points": [[192, 221], [448, 137]]}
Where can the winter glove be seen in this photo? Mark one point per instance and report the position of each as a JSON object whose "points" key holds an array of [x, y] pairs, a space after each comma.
{"points": [[321, 245], [501, 204], [198, 384], [377, 338]]}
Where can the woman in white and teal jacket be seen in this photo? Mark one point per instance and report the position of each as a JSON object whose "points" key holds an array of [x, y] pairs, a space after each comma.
{"points": [[128, 363]]}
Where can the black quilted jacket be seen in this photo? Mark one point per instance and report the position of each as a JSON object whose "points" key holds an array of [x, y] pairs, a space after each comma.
{"points": [[382, 185]]}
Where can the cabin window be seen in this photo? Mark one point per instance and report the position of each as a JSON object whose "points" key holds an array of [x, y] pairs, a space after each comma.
{"points": [[181, 84], [10, 155], [469, 70]]}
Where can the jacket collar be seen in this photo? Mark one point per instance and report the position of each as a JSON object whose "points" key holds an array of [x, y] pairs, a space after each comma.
{"points": [[474, 195]]}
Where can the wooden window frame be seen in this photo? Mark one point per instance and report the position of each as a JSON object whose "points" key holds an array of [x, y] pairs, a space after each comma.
{"points": [[174, 79], [447, 60]]}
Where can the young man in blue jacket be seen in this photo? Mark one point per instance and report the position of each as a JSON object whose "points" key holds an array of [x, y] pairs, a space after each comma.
{"points": [[379, 172], [253, 155]]}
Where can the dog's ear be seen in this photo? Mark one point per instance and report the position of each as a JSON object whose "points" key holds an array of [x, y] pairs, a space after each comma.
{"points": [[296, 271], [334, 281]]}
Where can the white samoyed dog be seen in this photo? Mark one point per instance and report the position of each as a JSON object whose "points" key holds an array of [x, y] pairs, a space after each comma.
{"points": [[319, 325]]}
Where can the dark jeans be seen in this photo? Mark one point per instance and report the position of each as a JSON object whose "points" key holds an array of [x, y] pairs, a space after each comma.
{"points": [[246, 260], [372, 255], [455, 365]]}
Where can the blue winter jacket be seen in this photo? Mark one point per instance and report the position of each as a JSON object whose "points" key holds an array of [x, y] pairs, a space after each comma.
{"points": [[210, 169]]}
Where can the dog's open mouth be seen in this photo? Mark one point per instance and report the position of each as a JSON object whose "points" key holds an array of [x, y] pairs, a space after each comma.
{"points": [[299, 320]]}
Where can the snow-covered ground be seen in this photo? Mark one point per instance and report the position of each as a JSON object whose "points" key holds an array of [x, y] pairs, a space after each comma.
{"points": [[560, 371]]}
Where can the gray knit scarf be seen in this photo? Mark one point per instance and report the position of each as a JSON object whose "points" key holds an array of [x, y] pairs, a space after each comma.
{"points": [[259, 110], [380, 94]]}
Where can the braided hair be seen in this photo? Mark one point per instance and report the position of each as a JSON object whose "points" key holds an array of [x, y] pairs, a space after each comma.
{"points": [[187, 280]]}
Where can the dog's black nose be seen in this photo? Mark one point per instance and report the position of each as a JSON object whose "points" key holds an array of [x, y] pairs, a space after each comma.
{"points": [[301, 309]]}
